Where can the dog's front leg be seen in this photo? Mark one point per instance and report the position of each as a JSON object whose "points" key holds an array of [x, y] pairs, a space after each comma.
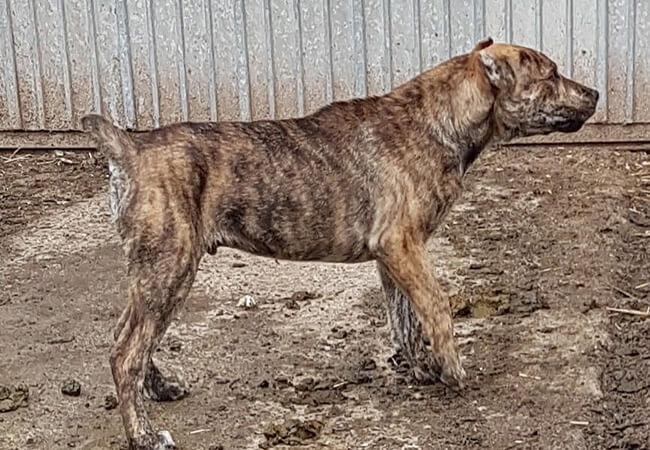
{"points": [[406, 330], [406, 275]]}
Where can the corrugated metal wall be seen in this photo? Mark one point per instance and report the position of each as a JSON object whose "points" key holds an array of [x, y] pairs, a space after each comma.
{"points": [[147, 62]]}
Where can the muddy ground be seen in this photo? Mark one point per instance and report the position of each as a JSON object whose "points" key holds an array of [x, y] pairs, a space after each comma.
{"points": [[542, 243]]}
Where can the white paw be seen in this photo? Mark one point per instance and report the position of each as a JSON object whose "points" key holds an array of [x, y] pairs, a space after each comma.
{"points": [[247, 302], [165, 441]]}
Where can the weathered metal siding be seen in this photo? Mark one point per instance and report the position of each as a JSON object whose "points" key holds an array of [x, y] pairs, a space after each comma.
{"points": [[150, 62]]}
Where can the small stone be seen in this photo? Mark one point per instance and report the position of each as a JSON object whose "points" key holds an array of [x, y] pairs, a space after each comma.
{"points": [[339, 333], [335, 411], [368, 364], [5, 392], [306, 384], [301, 296], [71, 387], [282, 381], [247, 302], [292, 304], [12, 398], [110, 402], [292, 432], [362, 379]]}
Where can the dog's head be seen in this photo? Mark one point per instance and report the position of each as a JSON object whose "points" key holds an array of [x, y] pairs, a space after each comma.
{"points": [[531, 97]]}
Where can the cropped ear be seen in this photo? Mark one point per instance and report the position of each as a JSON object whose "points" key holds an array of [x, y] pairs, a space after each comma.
{"points": [[497, 71], [485, 43]]}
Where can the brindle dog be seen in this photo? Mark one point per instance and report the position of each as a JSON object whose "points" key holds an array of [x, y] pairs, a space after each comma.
{"points": [[367, 179]]}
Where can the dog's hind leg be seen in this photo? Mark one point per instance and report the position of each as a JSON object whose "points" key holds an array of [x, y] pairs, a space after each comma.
{"points": [[121, 322], [160, 276], [406, 329], [164, 388], [158, 387]]}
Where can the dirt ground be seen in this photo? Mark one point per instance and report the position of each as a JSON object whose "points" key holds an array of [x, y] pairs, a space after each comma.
{"points": [[541, 244]]}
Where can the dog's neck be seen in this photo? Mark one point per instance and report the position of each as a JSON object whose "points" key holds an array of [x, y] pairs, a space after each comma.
{"points": [[465, 136], [476, 140], [456, 107]]}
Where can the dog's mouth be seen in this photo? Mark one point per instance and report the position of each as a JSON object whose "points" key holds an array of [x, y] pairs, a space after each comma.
{"points": [[574, 121], [570, 126], [569, 120], [564, 122]]}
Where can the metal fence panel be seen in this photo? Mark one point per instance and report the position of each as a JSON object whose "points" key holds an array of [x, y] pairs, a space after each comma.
{"points": [[150, 62]]}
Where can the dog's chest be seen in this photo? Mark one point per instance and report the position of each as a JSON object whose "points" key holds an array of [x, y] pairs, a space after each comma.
{"points": [[443, 197]]}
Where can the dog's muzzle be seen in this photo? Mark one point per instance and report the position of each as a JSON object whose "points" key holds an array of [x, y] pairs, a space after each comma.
{"points": [[570, 126]]}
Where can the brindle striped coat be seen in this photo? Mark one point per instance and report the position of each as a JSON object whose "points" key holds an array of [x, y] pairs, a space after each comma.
{"points": [[367, 179]]}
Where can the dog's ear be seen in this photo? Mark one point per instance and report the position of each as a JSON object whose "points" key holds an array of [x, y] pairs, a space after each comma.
{"points": [[497, 70], [485, 43]]}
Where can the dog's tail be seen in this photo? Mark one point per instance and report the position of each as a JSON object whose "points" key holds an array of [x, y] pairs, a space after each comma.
{"points": [[114, 142]]}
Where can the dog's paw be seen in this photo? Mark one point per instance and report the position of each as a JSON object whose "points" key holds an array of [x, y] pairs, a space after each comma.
{"points": [[165, 441], [424, 374], [426, 368], [421, 369], [247, 302], [169, 388], [159, 441], [453, 374]]}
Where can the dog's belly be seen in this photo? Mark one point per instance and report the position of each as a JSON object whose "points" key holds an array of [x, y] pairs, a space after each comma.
{"points": [[269, 249], [294, 247], [292, 225]]}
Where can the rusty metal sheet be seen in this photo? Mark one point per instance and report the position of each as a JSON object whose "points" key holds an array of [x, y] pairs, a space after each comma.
{"points": [[641, 80], [616, 60], [201, 94], [524, 21], [170, 70], [260, 59], [405, 41], [150, 62], [9, 101], [584, 41], [317, 74], [143, 64], [287, 60], [498, 22], [462, 26], [223, 28], [28, 64], [344, 60], [377, 47], [80, 52], [435, 32], [107, 45]]}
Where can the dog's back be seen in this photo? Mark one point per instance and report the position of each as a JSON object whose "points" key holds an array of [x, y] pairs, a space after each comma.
{"points": [[294, 189]]}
